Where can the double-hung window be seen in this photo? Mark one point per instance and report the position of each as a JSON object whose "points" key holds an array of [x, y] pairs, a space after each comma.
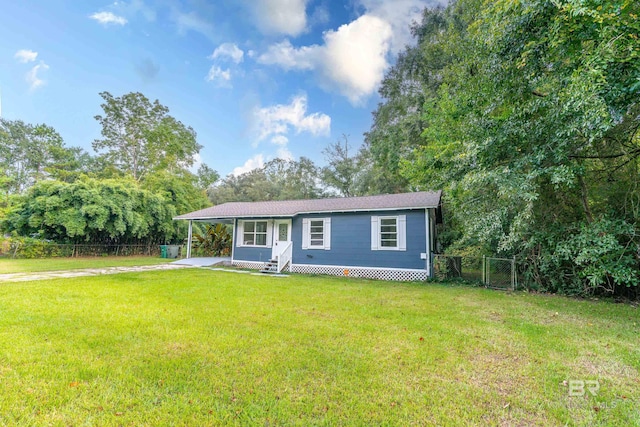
{"points": [[389, 233], [254, 233], [316, 233]]}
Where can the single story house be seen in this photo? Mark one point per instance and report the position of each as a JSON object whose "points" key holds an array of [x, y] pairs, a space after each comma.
{"points": [[388, 237]]}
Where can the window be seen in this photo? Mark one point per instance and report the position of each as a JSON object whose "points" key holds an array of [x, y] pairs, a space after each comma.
{"points": [[254, 233], [316, 236], [388, 233], [316, 233]]}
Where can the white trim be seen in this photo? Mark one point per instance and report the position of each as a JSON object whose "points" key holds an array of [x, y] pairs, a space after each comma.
{"points": [[234, 237], [401, 233], [427, 227], [240, 233], [375, 232], [240, 242], [248, 264], [379, 273], [305, 233], [276, 243], [362, 267], [326, 234], [269, 233], [189, 238], [401, 228]]}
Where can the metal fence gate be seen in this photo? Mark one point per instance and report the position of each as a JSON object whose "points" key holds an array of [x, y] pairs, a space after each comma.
{"points": [[499, 273], [494, 273]]}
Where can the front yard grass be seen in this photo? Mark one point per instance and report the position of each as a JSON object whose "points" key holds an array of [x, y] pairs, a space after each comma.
{"points": [[200, 347], [9, 265]]}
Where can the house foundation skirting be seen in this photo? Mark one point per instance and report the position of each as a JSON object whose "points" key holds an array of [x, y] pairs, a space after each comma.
{"points": [[380, 273]]}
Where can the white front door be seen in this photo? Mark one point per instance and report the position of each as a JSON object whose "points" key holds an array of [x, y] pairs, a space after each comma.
{"points": [[281, 236]]}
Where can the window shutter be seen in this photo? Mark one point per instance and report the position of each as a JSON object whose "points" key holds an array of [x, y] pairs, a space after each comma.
{"points": [[402, 232], [305, 233], [375, 232], [327, 234], [240, 236]]}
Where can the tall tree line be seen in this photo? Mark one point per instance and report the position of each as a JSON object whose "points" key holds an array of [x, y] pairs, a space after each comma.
{"points": [[127, 192], [527, 115]]}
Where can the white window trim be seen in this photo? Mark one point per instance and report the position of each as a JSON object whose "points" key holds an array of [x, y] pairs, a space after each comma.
{"points": [[240, 239], [326, 234], [401, 230]]}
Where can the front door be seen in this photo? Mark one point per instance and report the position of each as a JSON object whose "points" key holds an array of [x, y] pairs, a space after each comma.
{"points": [[281, 236]]}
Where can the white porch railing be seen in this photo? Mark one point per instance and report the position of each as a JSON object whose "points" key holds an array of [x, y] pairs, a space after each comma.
{"points": [[285, 257]]}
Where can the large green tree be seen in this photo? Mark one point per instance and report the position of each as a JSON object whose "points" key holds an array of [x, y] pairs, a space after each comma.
{"points": [[93, 211], [529, 122], [139, 137], [278, 179], [31, 153]]}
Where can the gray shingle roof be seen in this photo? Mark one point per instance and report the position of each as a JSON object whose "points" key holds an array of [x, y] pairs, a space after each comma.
{"points": [[289, 208]]}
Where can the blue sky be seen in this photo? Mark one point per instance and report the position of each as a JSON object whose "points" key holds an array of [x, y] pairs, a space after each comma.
{"points": [[256, 79]]}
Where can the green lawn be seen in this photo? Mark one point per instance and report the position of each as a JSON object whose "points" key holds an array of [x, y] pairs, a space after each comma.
{"points": [[8, 265], [198, 347]]}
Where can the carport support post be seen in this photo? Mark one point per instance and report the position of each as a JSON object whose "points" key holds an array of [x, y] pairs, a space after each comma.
{"points": [[189, 239]]}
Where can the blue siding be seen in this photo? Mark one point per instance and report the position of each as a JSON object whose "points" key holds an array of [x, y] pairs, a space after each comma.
{"points": [[351, 242], [252, 254], [261, 254]]}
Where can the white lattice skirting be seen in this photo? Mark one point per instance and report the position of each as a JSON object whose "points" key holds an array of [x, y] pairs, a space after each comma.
{"points": [[365, 272], [397, 274], [254, 265]]}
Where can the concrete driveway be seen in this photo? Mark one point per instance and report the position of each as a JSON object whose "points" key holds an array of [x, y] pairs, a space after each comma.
{"points": [[43, 275]]}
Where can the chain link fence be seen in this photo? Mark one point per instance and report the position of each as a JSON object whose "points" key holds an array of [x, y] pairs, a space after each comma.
{"points": [[495, 273], [53, 250], [500, 273]]}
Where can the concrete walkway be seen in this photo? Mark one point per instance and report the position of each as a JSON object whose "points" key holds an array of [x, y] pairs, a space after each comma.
{"points": [[203, 261], [62, 274]]}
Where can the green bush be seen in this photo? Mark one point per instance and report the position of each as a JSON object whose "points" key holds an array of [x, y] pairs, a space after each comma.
{"points": [[28, 247]]}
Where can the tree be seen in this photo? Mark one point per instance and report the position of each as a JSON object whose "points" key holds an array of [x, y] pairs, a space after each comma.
{"points": [[140, 137], [528, 120], [342, 169], [30, 153], [278, 179], [206, 177], [95, 211]]}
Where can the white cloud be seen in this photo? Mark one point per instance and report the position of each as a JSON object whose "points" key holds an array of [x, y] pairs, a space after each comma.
{"points": [[355, 56], [256, 162], [228, 50], [26, 55], [280, 119], [280, 140], [352, 58], [289, 57], [107, 18], [219, 76], [33, 77], [288, 17], [399, 14]]}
